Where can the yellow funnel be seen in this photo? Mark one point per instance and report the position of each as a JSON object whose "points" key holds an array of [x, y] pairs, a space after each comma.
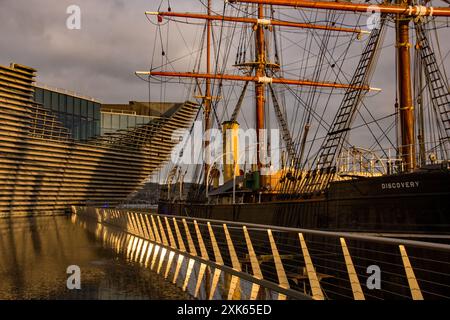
{"points": [[230, 149]]}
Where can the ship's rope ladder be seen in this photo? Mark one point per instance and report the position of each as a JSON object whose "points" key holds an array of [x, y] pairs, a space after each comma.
{"points": [[282, 123], [438, 88], [325, 164]]}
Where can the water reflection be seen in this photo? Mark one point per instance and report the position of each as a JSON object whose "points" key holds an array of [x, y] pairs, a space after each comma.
{"points": [[35, 253]]}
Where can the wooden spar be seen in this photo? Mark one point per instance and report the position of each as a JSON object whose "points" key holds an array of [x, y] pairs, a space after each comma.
{"points": [[264, 22], [260, 73], [207, 100], [356, 7], [407, 149], [255, 79]]}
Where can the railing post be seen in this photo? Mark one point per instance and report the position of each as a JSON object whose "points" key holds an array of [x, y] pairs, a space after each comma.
{"points": [[144, 226], [412, 281], [353, 277], [130, 226], [165, 243], [256, 269], [219, 261], [205, 256], [311, 272], [192, 251], [235, 281], [158, 240], [182, 249], [172, 244], [282, 279], [152, 239]]}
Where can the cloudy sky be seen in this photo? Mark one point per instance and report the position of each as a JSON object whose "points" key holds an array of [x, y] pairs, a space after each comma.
{"points": [[116, 39], [99, 60]]}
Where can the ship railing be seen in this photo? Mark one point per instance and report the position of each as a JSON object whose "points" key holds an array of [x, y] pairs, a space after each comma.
{"points": [[214, 259], [358, 161]]}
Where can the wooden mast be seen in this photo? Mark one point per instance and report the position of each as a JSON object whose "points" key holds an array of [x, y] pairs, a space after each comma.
{"points": [[407, 148], [260, 86], [207, 98], [207, 105]]}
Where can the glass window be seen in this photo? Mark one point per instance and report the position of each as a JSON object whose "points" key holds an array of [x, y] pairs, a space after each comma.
{"points": [[77, 107], [131, 121], [70, 104], [97, 127], [39, 95], [47, 99], [55, 101], [83, 135], [90, 110], [93, 129], [63, 119], [123, 122], [97, 113], [77, 128], [106, 119], [84, 111], [70, 124], [62, 103], [88, 129], [115, 123]]}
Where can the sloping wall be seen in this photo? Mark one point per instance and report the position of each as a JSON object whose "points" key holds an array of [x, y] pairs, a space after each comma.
{"points": [[43, 171]]}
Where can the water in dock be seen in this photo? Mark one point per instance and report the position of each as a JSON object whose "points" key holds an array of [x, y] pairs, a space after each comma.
{"points": [[36, 252]]}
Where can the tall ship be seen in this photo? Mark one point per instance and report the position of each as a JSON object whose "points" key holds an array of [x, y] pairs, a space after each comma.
{"points": [[330, 115]]}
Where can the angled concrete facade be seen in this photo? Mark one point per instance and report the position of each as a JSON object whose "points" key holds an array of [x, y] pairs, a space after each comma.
{"points": [[44, 170]]}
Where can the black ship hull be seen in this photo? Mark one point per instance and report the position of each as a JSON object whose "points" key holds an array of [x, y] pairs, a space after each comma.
{"points": [[412, 203]]}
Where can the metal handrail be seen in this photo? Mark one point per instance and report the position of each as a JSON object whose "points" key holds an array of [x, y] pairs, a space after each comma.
{"points": [[243, 275], [347, 235], [320, 260]]}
